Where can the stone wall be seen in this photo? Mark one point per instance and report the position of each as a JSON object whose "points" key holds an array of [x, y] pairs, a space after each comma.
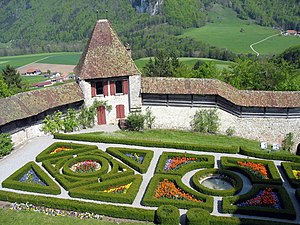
{"points": [[271, 130], [25, 134], [135, 100]]}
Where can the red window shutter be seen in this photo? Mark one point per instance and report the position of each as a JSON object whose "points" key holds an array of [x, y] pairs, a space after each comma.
{"points": [[125, 87], [120, 111], [93, 86], [105, 88], [112, 88]]}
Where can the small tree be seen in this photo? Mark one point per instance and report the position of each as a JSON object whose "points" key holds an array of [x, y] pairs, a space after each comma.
{"points": [[12, 77], [136, 121], [70, 121], [287, 143], [206, 121], [149, 118], [6, 144]]}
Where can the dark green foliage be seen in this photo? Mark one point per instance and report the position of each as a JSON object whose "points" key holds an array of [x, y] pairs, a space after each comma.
{"points": [[140, 167], [206, 121], [13, 181], [167, 215], [135, 121], [148, 143], [287, 167], [297, 193], [286, 212], [12, 77], [150, 200], [4, 89], [291, 55], [196, 216], [6, 145], [234, 179], [288, 142], [80, 206], [203, 161], [230, 163]]}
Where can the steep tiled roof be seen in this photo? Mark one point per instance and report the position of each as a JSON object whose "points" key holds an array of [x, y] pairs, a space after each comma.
{"points": [[280, 99], [32, 103], [105, 55]]}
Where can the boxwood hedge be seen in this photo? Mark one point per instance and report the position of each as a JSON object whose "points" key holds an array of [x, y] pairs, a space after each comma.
{"points": [[202, 161], [288, 168], [13, 181], [231, 163], [167, 215], [196, 216], [229, 204]]}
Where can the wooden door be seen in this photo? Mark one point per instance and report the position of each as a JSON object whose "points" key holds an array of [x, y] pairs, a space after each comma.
{"points": [[120, 111], [101, 115]]}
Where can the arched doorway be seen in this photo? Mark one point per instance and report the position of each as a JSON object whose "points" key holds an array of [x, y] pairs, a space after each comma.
{"points": [[298, 149]]}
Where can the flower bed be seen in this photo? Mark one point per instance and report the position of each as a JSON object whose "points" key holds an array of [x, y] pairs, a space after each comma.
{"points": [[296, 174], [60, 149], [31, 177], [119, 190], [265, 198], [292, 171], [86, 166], [136, 157], [258, 169], [177, 162]]}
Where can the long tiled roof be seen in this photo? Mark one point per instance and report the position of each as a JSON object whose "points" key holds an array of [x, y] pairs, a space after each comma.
{"points": [[105, 56], [32, 103], [278, 99]]}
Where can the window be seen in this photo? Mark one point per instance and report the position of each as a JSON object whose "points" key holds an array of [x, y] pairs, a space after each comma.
{"points": [[99, 88], [119, 86]]}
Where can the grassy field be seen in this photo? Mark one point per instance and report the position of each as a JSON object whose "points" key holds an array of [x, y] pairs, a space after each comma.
{"points": [[34, 79], [190, 62], [11, 217], [224, 32]]}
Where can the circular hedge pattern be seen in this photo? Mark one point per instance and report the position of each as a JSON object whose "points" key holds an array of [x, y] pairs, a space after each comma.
{"points": [[231, 177]]}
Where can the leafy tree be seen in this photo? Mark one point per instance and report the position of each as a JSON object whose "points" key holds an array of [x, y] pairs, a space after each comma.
{"points": [[6, 144], [4, 90], [206, 121], [12, 77], [149, 118], [288, 142], [70, 121], [206, 70]]}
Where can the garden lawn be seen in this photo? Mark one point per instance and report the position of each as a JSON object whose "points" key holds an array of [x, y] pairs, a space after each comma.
{"points": [[11, 217]]}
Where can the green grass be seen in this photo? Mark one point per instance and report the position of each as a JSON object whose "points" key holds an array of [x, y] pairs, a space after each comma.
{"points": [[11, 217], [34, 79], [224, 32], [190, 62]]}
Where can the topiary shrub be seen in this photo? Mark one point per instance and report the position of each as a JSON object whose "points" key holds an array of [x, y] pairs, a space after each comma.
{"points": [[167, 215], [196, 216]]}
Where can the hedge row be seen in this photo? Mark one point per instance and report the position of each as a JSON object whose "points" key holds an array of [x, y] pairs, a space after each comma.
{"points": [[95, 191], [13, 181], [288, 168], [284, 156], [203, 161], [76, 148], [229, 204], [150, 200], [196, 216], [140, 167], [80, 206], [167, 215], [235, 180], [230, 163], [147, 143]]}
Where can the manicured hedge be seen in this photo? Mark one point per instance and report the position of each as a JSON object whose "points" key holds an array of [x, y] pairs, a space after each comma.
{"points": [[288, 168], [196, 216], [235, 180], [230, 163], [167, 215], [77, 148], [147, 143], [229, 204], [13, 181], [95, 191], [150, 200], [269, 155], [140, 167], [118, 169], [80, 206], [203, 161], [220, 220], [297, 193]]}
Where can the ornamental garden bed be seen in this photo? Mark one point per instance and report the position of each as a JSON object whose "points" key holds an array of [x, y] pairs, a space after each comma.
{"points": [[292, 171]]}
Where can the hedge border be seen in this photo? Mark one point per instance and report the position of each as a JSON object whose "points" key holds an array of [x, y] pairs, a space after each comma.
{"points": [[227, 163], [194, 215], [237, 182], [80, 206], [167, 215], [208, 162], [288, 212], [140, 167], [77, 148], [287, 167], [13, 181], [93, 191], [149, 200]]}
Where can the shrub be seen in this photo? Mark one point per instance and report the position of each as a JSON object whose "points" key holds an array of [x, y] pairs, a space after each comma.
{"points": [[149, 118], [287, 143], [206, 121], [136, 121], [6, 144], [196, 216], [167, 215]]}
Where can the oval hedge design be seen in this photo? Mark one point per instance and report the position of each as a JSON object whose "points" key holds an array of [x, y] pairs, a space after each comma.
{"points": [[234, 179]]}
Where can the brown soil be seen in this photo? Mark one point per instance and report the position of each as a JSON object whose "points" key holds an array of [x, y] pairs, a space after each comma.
{"points": [[44, 67]]}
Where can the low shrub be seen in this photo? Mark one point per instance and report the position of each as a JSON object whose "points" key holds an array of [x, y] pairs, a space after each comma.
{"points": [[288, 168], [80, 206], [140, 167], [202, 161], [287, 210], [6, 145], [231, 163], [206, 202], [167, 215], [13, 181], [196, 216], [234, 179]]}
